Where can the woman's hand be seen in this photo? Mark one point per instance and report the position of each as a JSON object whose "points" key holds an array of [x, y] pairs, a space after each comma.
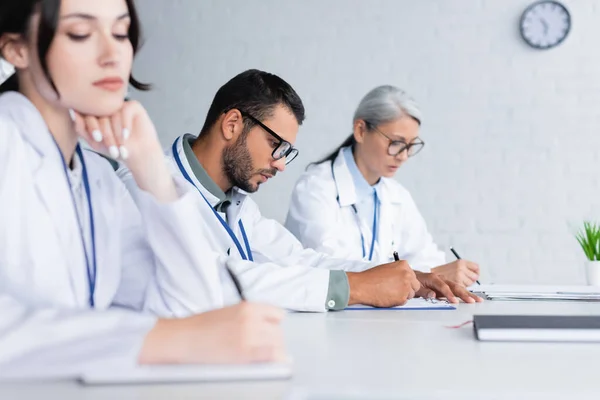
{"points": [[239, 334], [130, 135], [461, 271]]}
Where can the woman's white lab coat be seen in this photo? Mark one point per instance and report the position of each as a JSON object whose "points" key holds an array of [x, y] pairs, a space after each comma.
{"points": [[46, 324], [322, 217]]}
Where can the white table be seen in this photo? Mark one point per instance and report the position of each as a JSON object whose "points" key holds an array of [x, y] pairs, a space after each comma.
{"points": [[393, 355]]}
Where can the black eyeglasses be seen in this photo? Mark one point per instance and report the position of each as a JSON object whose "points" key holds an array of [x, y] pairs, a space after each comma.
{"points": [[283, 148], [398, 146]]}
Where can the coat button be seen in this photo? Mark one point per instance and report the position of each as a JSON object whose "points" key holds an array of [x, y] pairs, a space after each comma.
{"points": [[331, 303]]}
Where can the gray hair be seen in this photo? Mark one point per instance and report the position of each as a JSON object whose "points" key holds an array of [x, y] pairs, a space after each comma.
{"points": [[385, 104]]}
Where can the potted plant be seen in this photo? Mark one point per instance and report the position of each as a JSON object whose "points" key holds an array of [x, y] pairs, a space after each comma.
{"points": [[589, 240]]}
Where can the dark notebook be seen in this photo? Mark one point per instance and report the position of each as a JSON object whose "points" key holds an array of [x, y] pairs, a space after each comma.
{"points": [[537, 328]]}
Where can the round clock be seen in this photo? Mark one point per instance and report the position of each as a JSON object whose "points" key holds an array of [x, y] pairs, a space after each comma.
{"points": [[545, 24]]}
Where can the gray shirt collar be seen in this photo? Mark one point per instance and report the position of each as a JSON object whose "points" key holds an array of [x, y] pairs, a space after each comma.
{"points": [[199, 171], [203, 177]]}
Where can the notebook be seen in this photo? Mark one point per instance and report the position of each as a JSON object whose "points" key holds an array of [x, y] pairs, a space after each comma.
{"points": [[413, 304], [186, 374], [537, 328]]}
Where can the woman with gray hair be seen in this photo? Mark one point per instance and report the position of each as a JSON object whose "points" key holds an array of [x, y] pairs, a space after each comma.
{"points": [[348, 206]]}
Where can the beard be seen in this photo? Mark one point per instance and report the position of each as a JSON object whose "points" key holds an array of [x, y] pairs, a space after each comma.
{"points": [[237, 166]]}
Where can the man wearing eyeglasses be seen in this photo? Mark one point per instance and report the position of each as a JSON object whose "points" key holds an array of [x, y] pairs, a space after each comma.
{"points": [[246, 140]]}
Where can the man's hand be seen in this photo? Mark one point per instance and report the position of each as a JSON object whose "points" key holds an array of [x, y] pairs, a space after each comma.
{"points": [[386, 285], [433, 285]]}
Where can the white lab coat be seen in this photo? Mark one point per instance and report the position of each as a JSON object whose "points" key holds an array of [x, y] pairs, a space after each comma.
{"points": [[283, 272], [321, 216], [46, 325]]}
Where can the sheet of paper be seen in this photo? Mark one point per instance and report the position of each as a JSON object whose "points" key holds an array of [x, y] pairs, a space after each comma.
{"points": [[493, 288], [178, 373], [538, 292], [412, 304]]}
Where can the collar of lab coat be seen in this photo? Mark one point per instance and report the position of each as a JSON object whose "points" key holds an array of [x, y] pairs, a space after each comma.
{"points": [[29, 121], [198, 170], [387, 189], [361, 186], [237, 195], [33, 128]]}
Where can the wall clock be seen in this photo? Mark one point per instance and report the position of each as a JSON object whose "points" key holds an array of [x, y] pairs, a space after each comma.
{"points": [[545, 24]]}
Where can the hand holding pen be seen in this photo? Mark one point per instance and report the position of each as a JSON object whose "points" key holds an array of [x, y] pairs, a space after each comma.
{"points": [[461, 271], [475, 267]]}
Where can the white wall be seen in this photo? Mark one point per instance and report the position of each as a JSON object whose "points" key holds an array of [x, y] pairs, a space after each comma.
{"points": [[511, 160]]}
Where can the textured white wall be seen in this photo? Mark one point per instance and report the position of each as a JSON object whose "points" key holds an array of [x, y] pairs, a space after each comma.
{"points": [[511, 160]]}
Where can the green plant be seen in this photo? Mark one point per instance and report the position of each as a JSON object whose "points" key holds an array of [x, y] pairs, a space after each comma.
{"points": [[589, 239]]}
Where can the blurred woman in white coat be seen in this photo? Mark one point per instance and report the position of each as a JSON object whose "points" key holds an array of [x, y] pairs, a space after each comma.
{"points": [[349, 206], [77, 265]]}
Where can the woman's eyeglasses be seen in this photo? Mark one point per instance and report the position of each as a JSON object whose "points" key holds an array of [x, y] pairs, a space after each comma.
{"points": [[398, 146]]}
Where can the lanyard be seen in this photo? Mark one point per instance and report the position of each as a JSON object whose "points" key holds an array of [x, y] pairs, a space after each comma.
{"points": [[245, 256], [374, 231], [91, 264]]}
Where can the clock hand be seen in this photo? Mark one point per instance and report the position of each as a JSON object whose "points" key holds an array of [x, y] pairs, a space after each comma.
{"points": [[545, 25]]}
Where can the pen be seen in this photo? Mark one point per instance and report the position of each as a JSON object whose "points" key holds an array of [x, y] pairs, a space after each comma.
{"points": [[237, 284], [458, 258], [396, 257]]}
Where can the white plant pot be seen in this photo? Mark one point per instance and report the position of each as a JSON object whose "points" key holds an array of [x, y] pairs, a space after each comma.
{"points": [[592, 272]]}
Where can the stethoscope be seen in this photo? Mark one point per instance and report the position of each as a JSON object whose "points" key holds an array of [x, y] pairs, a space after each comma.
{"points": [[245, 255]]}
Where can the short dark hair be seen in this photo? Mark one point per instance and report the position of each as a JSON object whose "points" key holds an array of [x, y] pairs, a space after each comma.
{"points": [[16, 15], [257, 93]]}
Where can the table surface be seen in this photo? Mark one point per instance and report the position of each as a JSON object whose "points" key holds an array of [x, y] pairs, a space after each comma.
{"points": [[386, 354]]}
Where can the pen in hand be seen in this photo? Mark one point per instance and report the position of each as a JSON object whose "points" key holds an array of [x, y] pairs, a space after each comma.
{"points": [[458, 258], [431, 297]]}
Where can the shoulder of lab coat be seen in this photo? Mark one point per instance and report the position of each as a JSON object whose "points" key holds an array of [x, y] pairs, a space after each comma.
{"points": [[34, 338], [175, 231], [314, 215]]}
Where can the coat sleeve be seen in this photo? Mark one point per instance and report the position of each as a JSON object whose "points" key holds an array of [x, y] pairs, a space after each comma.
{"points": [[39, 341], [285, 273], [185, 277]]}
